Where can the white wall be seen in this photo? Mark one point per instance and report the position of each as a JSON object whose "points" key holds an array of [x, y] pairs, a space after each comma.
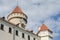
{"points": [[19, 37], [16, 20], [16, 15], [45, 38], [5, 35], [45, 35]]}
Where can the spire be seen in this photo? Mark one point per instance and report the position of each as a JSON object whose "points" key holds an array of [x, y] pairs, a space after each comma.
{"points": [[43, 27], [17, 2], [17, 9]]}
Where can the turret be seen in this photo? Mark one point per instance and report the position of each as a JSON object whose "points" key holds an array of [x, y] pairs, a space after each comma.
{"points": [[17, 17], [45, 33]]}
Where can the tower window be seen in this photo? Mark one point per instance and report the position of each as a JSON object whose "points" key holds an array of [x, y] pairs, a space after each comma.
{"points": [[28, 37], [17, 32], [23, 25], [2, 27], [22, 35], [33, 38], [10, 30]]}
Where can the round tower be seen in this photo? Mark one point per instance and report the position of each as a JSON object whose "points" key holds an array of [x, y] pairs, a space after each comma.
{"points": [[45, 33], [17, 17]]}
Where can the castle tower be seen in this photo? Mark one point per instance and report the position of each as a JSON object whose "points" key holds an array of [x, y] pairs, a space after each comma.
{"points": [[17, 17], [45, 33]]}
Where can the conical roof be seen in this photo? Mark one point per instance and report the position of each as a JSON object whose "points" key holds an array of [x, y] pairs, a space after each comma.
{"points": [[17, 9], [43, 27]]}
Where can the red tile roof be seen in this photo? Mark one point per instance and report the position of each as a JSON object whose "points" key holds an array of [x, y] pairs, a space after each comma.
{"points": [[43, 27], [17, 9]]}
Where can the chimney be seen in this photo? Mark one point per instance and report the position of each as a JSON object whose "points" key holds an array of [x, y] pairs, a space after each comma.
{"points": [[31, 31], [3, 18]]}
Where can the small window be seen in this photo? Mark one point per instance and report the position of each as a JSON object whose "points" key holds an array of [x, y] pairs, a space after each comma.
{"points": [[22, 25], [28, 37], [2, 27], [22, 35], [33, 38], [10, 30], [17, 32]]}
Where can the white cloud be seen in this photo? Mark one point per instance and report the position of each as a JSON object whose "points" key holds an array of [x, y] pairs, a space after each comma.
{"points": [[43, 12]]}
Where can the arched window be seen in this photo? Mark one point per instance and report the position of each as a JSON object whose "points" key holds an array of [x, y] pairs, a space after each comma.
{"points": [[17, 32], [22, 35], [10, 30], [28, 37], [2, 27]]}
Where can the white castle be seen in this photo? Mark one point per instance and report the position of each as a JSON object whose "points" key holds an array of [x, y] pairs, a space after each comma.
{"points": [[14, 28]]}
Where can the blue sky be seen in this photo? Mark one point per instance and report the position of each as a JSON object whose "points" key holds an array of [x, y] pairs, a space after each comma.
{"points": [[38, 12]]}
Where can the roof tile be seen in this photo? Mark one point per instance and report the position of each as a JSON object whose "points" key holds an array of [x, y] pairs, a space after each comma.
{"points": [[17, 9], [43, 27]]}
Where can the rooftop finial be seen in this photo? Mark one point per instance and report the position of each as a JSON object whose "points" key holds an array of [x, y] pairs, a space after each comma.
{"points": [[17, 2]]}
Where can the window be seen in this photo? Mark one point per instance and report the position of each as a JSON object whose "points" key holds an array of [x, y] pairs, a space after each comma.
{"points": [[2, 27], [33, 38], [22, 35], [22, 25], [28, 37], [10, 30], [17, 32]]}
